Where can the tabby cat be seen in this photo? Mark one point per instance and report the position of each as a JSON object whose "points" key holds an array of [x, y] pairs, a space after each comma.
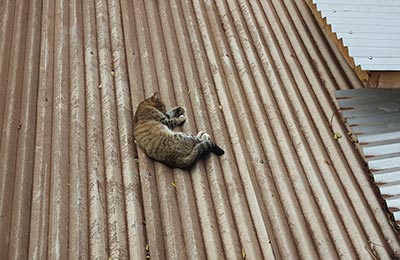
{"points": [[153, 127]]}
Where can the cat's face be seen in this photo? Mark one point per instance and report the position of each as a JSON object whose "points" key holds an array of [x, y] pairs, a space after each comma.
{"points": [[156, 102]]}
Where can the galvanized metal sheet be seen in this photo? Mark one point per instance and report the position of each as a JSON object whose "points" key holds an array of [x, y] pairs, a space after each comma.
{"points": [[371, 30], [373, 115]]}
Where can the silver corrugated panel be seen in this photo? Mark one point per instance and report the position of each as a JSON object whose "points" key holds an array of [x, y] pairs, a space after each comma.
{"points": [[259, 76], [374, 117], [370, 28]]}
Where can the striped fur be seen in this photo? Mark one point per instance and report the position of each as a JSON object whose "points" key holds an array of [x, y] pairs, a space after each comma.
{"points": [[153, 131]]}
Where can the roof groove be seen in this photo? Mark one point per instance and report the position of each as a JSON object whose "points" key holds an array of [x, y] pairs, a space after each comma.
{"points": [[42, 163], [78, 184]]}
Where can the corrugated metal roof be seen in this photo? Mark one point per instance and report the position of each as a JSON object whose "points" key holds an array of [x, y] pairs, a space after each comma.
{"points": [[258, 75], [371, 30], [374, 116]]}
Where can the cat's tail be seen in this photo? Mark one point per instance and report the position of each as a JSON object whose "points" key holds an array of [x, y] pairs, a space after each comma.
{"points": [[217, 150]]}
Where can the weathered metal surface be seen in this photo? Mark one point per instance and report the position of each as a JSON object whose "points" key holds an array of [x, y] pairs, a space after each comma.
{"points": [[371, 30], [374, 117], [257, 75]]}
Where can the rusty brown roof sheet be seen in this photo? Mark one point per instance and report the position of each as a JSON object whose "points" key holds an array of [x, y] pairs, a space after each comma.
{"points": [[258, 75]]}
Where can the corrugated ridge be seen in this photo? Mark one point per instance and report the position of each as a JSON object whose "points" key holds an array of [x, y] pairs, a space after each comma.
{"points": [[42, 160], [59, 150], [78, 181], [6, 30], [258, 76]]}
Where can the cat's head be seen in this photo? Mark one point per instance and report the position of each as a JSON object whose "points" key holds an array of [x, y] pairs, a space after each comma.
{"points": [[156, 102]]}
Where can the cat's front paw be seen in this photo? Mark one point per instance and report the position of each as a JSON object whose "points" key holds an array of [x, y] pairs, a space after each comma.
{"points": [[175, 112], [178, 111], [181, 119]]}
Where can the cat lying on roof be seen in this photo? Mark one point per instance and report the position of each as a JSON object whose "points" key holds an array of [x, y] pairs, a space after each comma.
{"points": [[153, 131]]}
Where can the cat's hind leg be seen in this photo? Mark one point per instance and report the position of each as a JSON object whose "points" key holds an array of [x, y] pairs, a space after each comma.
{"points": [[202, 135], [200, 149]]}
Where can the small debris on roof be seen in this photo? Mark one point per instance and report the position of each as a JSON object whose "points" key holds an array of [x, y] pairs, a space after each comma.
{"points": [[337, 135]]}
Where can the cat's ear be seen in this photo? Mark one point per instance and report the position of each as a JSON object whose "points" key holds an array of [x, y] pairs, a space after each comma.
{"points": [[155, 95]]}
